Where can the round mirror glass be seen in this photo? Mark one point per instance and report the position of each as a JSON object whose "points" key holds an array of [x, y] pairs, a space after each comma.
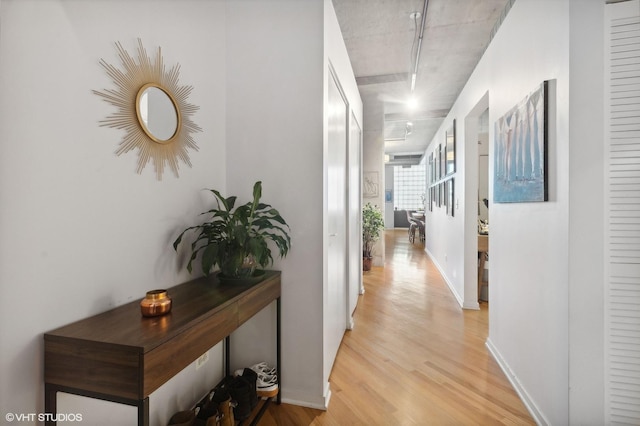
{"points": [[157, 113]]}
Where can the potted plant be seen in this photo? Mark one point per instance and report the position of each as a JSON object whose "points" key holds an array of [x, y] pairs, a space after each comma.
{"points": [[372, 226], [236, 240]]}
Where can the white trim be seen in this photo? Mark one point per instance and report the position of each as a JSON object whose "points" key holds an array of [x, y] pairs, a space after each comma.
{"points": [[327, 395], [517, 386], [351, 324], [459, 299], [308, 401], [304, 403]]}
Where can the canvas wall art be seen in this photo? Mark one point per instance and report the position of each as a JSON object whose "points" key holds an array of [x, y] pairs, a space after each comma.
{"points": [[520, 151]]}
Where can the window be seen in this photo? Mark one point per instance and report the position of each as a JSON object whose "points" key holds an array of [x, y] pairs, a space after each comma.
{"points": [[409, 187]]}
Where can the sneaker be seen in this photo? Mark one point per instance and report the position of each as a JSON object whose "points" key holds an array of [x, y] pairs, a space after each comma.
{"points": [[260, 368], [267, 385], [263, 368]]}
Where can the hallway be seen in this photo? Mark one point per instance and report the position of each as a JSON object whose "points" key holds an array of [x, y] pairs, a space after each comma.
{"points": [[414, 357]]}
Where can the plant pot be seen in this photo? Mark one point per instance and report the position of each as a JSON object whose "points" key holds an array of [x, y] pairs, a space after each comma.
{"points": [[366, 263], [255, 277]]}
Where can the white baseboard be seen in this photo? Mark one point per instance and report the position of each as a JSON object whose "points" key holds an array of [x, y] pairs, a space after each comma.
{"points": [[464, 305], [446, 280], [327, 395], [306, 404], [520, 390], [473, 306], [302, 400]]}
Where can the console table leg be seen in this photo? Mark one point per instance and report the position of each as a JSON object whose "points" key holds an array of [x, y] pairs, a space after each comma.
{"points": [[278, 346], [50, 402], [227, 356], [143, 412]]}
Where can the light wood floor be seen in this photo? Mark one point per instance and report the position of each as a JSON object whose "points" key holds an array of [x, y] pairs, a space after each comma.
{"points": [[414, 357]]}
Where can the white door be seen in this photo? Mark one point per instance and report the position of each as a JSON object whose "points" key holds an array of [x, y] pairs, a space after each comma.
{"points": [[622, 213], [354, 223], [336, 311]]}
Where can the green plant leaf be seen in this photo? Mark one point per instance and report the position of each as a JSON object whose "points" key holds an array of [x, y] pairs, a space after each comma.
{"points": [[257, 193], [230, 202], [193, 256], [220, 199], [233, 232], [209, 258]]}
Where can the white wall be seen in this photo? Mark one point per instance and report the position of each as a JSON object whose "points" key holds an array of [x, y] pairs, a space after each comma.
{"points": [[274, 127], [586, 217], [81, 231], [276, 133], [540, 300]]}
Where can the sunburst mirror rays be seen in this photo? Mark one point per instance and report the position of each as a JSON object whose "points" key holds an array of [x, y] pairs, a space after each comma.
{"points": [[152, 110]]}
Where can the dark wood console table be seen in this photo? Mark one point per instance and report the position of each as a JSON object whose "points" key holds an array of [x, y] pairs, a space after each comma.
{"points": [[123, 357]]}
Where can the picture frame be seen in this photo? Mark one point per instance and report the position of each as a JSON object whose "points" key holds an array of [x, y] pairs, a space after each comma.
{"points": [[431, 198], [451, 197], [445, 195], [450, 149], [436, 164], [443, 165], [370, 185]]}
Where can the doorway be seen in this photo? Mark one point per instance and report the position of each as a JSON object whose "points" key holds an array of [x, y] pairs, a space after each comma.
{"points": [[476, 143], [483, 206]]}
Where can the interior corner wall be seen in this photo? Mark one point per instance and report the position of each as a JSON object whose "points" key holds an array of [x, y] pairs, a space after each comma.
{"points": [[274, 70], [373, 160], [389, 183], [530, 242], [586, 216], [81, 231]]}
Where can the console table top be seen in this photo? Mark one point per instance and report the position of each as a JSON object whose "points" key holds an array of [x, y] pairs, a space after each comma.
{"points": [[125, 327]]}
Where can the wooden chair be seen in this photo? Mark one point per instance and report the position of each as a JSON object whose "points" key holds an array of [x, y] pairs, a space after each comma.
{"points": [[421, 229], [483, 254], [413, 225]]}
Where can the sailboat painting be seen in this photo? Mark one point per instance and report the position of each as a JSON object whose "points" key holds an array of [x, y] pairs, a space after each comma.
{"points": [[520, 151]]}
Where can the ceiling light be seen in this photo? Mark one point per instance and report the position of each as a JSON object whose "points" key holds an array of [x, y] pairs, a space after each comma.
{"points": [[412, 103]]}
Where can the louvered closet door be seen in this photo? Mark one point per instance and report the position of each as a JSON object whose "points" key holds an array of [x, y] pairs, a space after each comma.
{"points": [[622, 106]]}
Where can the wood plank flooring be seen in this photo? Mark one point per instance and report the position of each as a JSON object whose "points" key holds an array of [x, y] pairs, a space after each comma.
{"points": [[414, 357]]}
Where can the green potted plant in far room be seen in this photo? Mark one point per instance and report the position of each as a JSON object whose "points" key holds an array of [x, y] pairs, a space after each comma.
{"points": [[237, 240], [372, 227]]}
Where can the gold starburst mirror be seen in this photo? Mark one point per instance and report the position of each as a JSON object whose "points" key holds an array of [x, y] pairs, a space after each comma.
{"points": [[152, 109]]}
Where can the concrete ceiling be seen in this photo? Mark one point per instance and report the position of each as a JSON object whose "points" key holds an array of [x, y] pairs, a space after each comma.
{"points": [[382, 37]]}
